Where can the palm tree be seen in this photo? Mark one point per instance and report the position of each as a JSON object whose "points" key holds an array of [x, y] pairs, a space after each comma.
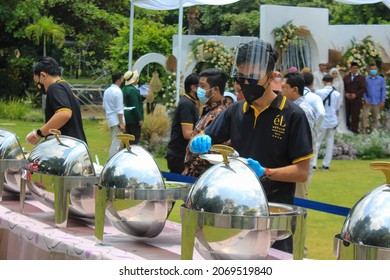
{"points": [[46, 27]]}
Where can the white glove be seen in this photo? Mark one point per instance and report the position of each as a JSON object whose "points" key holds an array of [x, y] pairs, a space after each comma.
{"points": [[33, 138]]}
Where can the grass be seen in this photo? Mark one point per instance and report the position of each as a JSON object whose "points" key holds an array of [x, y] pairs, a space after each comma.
{"points": [[345, 183]]}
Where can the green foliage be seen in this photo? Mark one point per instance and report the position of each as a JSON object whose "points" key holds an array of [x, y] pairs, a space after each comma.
{"points": [[34, 115], [45, 28], [372, 146], [149, 36], [14, 109]]}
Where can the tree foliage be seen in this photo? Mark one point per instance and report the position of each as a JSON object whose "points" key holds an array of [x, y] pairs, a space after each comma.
{"points": [[44, 29], [96, 31]]}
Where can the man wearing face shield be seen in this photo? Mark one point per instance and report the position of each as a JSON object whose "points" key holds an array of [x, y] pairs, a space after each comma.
{"points": [[62, 110], [212, 83], [269, 130]]}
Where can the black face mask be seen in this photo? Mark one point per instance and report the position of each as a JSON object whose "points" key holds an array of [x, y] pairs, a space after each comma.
{"points": [[252, 92]]}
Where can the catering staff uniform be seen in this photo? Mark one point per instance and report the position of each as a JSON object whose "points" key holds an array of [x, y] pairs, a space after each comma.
{"points": [[186, 113], [276, 137]]}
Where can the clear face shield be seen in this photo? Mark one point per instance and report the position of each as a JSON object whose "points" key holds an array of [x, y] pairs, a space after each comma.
{"points": [[254, 61], [251, 60]]}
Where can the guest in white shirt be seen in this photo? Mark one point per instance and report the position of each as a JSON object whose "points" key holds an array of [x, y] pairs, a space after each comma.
{"points": [[327, 130], [113, 105]]}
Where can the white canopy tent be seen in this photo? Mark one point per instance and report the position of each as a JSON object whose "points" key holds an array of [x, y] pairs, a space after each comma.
{"points": [[169, 5], [361, 2]]}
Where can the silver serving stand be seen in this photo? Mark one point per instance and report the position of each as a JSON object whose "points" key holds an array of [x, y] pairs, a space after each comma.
{"points": [[12, 160], [246, 225], [366, 231], [131, 193], [60, 175]]}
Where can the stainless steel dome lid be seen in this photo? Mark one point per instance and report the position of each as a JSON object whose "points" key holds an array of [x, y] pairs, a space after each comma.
{"points": [[368, 222], [131, 168], [229, 187], [9, 146], [61, 156]]}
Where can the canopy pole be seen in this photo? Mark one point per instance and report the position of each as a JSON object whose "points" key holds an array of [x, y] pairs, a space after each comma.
{"points": [[179, 51], [131, 34]]}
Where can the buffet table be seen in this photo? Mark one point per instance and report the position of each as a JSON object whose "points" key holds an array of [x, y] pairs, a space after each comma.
{"points": [[32, 235]]}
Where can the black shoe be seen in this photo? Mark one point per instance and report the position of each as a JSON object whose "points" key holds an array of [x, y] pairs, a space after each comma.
{"points": [[326, 168], [314, 167]]}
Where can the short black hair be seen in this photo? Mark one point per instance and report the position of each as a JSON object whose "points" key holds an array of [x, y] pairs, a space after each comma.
{"points": [[354, 64], [115, 77], [327, 78], [257, 46], [308, 78], [215, 78], [295, 79], [47, 64], [191, 80]]}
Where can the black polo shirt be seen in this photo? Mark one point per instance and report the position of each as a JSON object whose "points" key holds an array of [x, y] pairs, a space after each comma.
{"points": [[279, 136], [60, 97], [186, 113]]}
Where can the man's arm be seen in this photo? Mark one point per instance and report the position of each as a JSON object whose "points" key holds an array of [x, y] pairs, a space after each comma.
{"points": [[187, 129], [58, 120], [298, 172]]}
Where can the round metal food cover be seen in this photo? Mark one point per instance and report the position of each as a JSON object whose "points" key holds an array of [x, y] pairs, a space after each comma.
{"points": [[62, 156], [231, 188], [134, 168], [368, 222], [9, 146]]}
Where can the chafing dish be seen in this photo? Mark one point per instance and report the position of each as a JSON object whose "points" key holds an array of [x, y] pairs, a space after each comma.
{"points": [[365, 234], [60, 174], [12, 160], [227, 215], [132, 195]]}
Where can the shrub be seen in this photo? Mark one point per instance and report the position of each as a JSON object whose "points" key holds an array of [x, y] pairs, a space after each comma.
{"points": [[14, 109], [155, 129], [34, 115]]}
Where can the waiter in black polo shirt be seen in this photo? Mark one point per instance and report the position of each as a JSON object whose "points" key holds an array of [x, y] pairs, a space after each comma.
{"points": [[62, 110], [266, 128], [184, 119]]}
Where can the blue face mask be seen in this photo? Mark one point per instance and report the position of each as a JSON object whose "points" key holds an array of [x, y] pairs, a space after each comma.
{"points": [[201, 93], [373, 72]]}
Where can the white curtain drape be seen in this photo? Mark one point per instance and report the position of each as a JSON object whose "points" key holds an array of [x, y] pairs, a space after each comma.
{"points": [[175, 4], [360, 2]]}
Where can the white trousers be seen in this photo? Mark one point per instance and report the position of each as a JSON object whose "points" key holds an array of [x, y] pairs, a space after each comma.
{"points": [[326, 134], [115, 143]]}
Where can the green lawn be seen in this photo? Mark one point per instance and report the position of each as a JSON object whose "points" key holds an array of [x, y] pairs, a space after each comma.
{"points": [[343, 185]]}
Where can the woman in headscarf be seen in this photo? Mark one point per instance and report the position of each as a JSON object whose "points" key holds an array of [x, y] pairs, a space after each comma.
{"points": [[338, 85]]}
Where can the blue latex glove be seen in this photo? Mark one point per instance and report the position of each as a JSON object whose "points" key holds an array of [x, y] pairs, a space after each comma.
{"points": [[256, 167], [200, 144]]}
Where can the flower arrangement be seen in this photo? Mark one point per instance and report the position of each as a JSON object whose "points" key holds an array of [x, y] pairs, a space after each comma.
{"points": [[285, 35], [212, 53], [168, 97], [362, 53]]}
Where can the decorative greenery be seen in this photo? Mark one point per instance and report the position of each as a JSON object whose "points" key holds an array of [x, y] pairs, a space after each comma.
{"points": [[372, 146], [363, 53], [285, 35], [212, 54], [168, 97]]}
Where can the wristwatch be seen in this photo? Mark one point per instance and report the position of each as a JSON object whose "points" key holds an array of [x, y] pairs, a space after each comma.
{"points": [[39, 133], [266, 175]]}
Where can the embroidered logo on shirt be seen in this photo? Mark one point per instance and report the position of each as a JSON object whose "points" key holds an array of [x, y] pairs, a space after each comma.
{"points": [[279, 127]]}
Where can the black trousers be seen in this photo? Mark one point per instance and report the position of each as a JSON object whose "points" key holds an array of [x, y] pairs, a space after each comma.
{"points": [[134, 129], [175, 164]]}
